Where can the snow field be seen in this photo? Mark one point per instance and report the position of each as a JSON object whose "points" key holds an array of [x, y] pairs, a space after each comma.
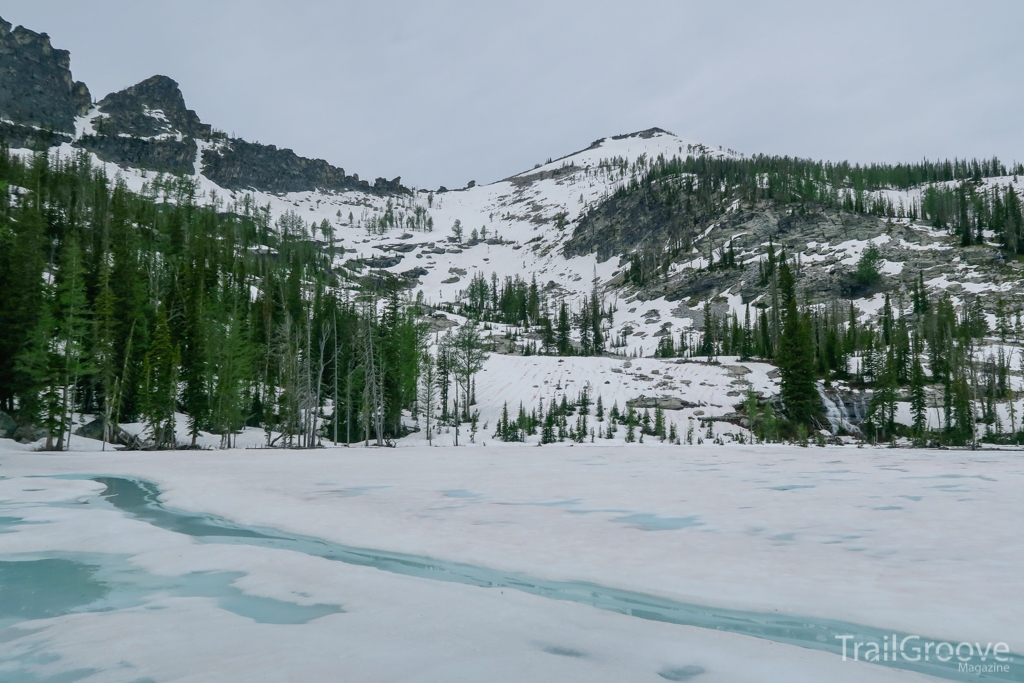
{"points": [[918, 541], [392, 627]]}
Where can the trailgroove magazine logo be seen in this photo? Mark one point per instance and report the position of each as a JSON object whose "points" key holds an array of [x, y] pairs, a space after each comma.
{"points": [[975, 658]]}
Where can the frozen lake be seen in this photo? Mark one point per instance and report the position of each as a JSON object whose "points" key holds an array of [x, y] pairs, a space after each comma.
{"points": [[502, 562]]}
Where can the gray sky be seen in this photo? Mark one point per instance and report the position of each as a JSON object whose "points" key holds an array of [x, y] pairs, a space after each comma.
{"points": [[446, 92]]}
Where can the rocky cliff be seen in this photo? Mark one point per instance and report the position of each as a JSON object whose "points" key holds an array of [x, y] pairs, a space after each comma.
{"points": [[36, 88], [146, 126], [240, 165]]}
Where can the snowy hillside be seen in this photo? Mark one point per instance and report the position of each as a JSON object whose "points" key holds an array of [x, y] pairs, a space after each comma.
{"points": [[641, 250], [435, 242], [521, 223]]}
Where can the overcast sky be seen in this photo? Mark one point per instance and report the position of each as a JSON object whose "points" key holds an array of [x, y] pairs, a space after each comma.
{"points": [[445, 92]]}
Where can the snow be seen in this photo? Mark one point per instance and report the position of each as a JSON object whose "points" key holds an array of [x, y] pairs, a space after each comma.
{"points": [[521, 210], [891, 267], [712, 389], [871, 306], [917, 541], [525, 212]]}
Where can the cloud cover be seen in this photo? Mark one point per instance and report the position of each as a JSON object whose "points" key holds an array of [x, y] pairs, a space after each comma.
{"points": [[446, 92]]}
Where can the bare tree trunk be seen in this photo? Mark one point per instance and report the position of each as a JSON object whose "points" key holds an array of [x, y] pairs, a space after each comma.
{"points": [[324, 337], [348, 405], [334, 317], [374, 383]]}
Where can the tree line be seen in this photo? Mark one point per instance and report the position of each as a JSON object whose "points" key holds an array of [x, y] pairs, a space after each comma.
{"points": [[141, 306]]}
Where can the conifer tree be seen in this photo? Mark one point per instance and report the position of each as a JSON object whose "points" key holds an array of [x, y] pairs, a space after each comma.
{"points": [[796, 355], [562, 341], [917, 394], [428, 393], [630, 424], [23, 359], [160, 377], [103, 351], [195, 395], [72, 319], [468, 359]]}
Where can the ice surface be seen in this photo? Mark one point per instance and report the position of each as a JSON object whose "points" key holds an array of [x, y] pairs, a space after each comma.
{"points": [[915, 541]]}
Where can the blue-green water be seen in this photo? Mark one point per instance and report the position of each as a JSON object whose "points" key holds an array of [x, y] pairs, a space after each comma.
{"points": [[42, 586], [93, 583], [90, 582], [141, 499]]}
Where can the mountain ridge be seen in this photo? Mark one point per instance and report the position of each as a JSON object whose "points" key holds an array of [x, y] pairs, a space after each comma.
{"points": [[665, 245], [145, 126]]}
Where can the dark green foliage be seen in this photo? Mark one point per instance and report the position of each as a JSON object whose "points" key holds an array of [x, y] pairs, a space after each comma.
{"points": [[796, 356], [516, 302], [867, 274], [140, 305], [563, 342], [160, 384]]}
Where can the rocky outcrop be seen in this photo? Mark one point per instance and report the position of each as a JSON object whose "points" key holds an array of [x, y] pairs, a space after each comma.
{"points": [[7, 425], [18, 136], [22, 433], [241, 165], [627, 220], [36, 87], [115, 434], [168, 155], [145, 126], [154, 107]]}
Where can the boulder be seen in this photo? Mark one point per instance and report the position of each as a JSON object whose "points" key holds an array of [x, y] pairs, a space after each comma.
{"points": [[7, 425], [383, 261], [118, 436], [28, 434], [664, 402]]}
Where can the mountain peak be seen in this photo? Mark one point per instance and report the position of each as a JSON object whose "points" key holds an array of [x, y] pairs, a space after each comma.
{"points": [[152, 107], [37, 90]]}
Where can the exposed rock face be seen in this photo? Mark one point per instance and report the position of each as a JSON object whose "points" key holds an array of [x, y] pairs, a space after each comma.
{"points": [[36, 88], [627, 220], [145, 126], [383, 261], [241, 165], [154, 107], [171, 156], [26, 137], [642, 219], [115, 434]]}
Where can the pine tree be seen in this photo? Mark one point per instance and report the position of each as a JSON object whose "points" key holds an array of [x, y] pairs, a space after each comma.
{"points": [[160, 375], [71, 315], [468, 359], [428, 393], [103, 347], [707, 347], [796, 355], [917, 395], [767, 350], [196, 393], [563, 341], [23, 338], [630, 424], [659, 422]]}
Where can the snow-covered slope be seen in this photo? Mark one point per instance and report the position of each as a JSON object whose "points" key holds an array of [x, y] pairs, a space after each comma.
{"points": [[519, 226], [521, 223]]}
